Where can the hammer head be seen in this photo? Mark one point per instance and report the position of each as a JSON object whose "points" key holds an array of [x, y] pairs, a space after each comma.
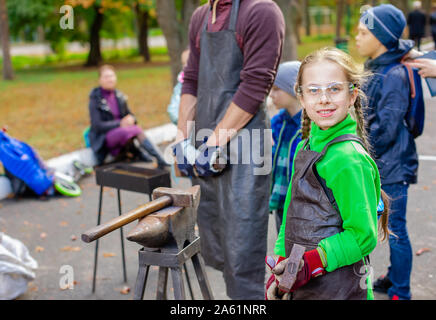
{"points": [[180, 198]]}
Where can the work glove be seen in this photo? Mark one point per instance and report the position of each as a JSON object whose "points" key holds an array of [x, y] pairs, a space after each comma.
{"points": [[311, 266], [208, 161], [272, 292], [185, 154]]}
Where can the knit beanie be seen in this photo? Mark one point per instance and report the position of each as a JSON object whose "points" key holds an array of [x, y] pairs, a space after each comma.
{"points": [[386, 23], [287, 76]]}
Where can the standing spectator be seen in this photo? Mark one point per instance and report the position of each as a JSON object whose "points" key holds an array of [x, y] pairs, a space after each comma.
{"points": [[286, 132], [433, 24], [416, 21], [393, 144], [173, 107]]}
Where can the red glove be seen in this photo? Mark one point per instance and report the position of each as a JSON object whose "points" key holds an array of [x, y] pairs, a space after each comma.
{"points": [[312, 268], [271, 263]]}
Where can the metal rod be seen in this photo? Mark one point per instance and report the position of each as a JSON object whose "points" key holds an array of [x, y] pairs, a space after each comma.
{"points": [[122, 238], [96, 244], [188, 281]]}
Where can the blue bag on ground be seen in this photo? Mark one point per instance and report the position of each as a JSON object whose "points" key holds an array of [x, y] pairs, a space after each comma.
{"points": [[20, 160]]}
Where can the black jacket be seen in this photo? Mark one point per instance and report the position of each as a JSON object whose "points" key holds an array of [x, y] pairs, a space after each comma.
{"points": [[102, 120], [388, 100], [416, 21]]}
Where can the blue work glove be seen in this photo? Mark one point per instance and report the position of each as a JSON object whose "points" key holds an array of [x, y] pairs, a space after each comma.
{"points": [[207, 162], [185, 154]]}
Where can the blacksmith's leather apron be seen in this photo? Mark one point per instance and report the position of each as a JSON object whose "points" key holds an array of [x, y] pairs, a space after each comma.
{"points": [[233, 210]]}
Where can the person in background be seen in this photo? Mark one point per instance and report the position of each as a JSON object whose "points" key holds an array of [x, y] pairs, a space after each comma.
{"points": [[113, 125], [393, 144], [416, 21], [427, 67], [286, 134], [235, 49], [433, 24], [173, 107]]}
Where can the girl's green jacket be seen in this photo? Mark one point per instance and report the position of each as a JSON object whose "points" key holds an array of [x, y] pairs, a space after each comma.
{"points": [[353, 177]]}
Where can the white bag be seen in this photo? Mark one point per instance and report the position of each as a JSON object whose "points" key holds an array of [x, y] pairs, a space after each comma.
{"points": [[16, 267]]}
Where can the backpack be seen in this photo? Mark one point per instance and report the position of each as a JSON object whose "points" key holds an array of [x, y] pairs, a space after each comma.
{"points": [[415, 115], [22, 162]]}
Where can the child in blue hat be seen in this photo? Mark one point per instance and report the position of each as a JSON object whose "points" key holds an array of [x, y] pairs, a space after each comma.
{"points": [[388, 92], [286, 133]]}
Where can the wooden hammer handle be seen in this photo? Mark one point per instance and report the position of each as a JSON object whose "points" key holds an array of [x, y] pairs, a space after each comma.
{"points": [[142, 211], [291, 270]]}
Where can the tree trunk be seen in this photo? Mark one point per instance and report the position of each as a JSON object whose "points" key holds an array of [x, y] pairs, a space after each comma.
{"points": [[94, 56], [8, 73], [340, 8], [175, 29], [306, 13], [298, 18], [290, 41], [403, 5], [142, 17]]}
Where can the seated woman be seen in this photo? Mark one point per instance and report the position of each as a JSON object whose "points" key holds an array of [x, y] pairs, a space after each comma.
{"points": [[113, 126]]}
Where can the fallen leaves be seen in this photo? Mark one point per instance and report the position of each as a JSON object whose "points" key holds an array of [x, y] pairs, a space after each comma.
{"points": [[108, 254], [125, 290], [73, 238], [422, 250], [69, 286], [39, 249], [63, 223], [71, 249]]}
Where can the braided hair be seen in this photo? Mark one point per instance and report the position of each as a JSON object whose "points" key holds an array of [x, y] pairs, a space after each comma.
{"points": [[357, 76]]}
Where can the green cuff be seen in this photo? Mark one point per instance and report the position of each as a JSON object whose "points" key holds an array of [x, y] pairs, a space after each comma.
{"points": [[322, 256]]}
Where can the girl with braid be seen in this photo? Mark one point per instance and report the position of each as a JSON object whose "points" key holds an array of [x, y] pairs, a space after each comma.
{"points": [[332, 200]]}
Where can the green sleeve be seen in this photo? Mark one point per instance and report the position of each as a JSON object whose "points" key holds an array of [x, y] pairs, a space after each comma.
{"points": [[279, 248], [356, 188]]}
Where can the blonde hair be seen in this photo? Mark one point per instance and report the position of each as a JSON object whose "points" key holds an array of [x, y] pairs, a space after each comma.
{"points": [[357, 76]]}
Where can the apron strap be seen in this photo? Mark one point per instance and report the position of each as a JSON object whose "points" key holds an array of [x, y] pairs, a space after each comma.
{"points": [[233, 16], [344, 137]]}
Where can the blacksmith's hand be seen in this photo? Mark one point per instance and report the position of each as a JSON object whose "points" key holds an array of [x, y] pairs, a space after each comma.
{"points": [[210, 160], [185, 154]]}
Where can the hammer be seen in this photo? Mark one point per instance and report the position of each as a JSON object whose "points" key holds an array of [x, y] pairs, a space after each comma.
{"points": [[291, 269], [163, 197]]}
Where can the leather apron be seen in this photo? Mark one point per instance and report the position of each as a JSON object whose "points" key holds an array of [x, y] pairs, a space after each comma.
{"points": [[233, 211], [312, 216]]}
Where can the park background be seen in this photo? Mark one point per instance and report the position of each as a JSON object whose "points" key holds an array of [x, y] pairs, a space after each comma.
{"points": [[49, 68], [47, 73]]}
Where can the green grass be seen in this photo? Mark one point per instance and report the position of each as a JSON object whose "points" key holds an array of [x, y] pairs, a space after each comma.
{"points": [[109, 56]]}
